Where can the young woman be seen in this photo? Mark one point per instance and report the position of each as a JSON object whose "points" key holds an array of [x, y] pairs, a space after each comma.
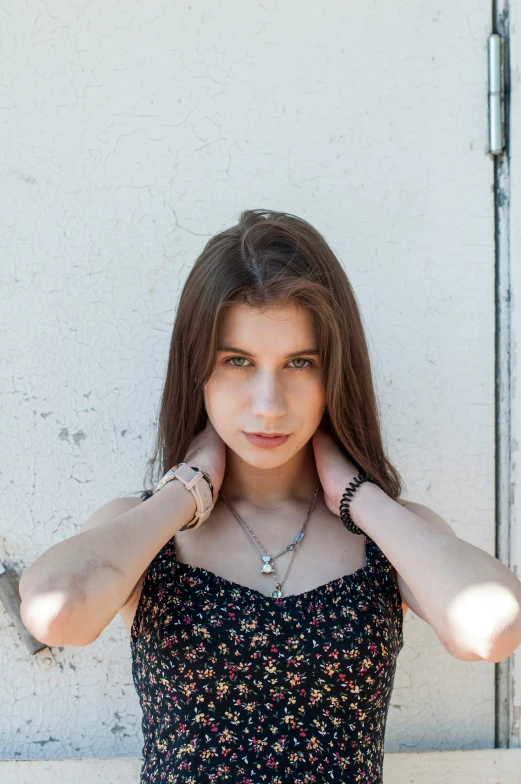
{"points": [[264, 591]]}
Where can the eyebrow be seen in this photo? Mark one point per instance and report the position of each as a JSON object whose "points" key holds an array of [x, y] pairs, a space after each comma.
{"points": [[288, 356]]}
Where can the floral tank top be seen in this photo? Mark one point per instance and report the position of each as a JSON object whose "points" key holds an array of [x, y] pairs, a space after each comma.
{"points": [[243, 688]]}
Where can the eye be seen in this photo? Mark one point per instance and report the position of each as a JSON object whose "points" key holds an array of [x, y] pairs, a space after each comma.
{"points": [[239, 367]]}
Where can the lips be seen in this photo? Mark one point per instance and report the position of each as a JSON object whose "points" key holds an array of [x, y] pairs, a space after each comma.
{"points": [[267, 435], [266, 442]]}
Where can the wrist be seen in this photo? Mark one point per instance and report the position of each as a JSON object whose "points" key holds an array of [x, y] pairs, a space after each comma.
{"points": [[364, 496], [202, 464], [212, 476], [183, 499], [198, 482]]}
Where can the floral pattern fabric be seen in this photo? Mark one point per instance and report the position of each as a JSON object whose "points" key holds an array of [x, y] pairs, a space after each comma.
{"points": [[243, 688]]}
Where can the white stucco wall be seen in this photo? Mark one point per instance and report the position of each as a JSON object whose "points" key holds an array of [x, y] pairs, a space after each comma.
{"points": [[131, 133]]}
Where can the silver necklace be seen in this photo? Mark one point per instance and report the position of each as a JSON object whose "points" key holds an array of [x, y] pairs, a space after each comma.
{"points": [[268, 559]]}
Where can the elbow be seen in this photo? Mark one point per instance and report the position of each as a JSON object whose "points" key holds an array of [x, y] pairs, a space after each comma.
{"points": [[53, 633], [487, 621], [41, 630], [42, 613], [46, 617], [503, 645]]}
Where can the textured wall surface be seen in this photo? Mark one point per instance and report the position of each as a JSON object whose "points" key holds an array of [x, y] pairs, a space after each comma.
{"points": [[131, 133]]}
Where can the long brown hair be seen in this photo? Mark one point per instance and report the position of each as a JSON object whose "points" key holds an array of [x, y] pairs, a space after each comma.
{"points": [[272, 258]]}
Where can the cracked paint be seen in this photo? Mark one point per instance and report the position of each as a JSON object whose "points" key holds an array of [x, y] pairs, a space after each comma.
{"points": [[128, 145]]}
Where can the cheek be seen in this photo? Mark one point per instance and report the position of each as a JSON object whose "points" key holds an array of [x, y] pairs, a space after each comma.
{"points": [[315, 394], [218, 399], [208, 397]]}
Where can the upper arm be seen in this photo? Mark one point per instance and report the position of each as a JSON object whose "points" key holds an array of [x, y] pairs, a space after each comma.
{"points": [[104, 514], [408, 598], [107, 513]]}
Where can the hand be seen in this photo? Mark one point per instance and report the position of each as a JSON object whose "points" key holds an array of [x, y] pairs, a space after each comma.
{"points": [[208, 451], [335, 470]]}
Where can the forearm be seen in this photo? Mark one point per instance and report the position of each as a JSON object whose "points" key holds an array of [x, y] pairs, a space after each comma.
{"points": [[75, 589], [470, 598]]}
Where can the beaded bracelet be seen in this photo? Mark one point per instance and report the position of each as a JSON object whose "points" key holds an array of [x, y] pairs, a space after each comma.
{"points": [[346, 500]]}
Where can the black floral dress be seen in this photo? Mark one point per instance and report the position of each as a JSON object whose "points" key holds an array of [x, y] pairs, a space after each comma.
{"points": [[243, 688]]}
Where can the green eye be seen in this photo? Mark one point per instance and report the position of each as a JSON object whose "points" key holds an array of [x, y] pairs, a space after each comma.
{"points": [[229, 362]]}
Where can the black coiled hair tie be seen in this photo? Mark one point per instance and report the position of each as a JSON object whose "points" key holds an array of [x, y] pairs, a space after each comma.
{"points": [[346, 500]]}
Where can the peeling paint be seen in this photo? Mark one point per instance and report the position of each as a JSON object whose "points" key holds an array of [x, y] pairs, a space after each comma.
{"points": [[92, 222], [79, 437]]}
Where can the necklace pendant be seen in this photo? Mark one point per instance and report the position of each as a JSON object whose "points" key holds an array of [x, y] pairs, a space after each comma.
{"points": [[277, 593], [267, 568]]}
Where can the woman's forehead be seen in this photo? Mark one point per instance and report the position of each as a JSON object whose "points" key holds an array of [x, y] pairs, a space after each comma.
{"points": [[241, 319]]}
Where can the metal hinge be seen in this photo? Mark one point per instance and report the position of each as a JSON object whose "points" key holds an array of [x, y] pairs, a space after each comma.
{"points": [[496, 128]]}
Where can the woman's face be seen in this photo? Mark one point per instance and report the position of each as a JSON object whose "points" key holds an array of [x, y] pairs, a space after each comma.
{"points": [[261, 388]]}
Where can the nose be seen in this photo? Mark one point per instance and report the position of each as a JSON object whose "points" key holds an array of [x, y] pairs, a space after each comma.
{"points": [[268, 396]]}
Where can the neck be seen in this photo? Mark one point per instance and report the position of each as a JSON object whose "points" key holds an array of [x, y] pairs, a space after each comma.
{"points": [[271, 489]]}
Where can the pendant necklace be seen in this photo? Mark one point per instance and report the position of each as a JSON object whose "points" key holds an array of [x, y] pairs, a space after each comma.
{"points": [[268, 559]]}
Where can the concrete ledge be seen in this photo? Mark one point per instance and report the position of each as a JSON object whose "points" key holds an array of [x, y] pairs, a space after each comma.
{"points": [[483, 766]]}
